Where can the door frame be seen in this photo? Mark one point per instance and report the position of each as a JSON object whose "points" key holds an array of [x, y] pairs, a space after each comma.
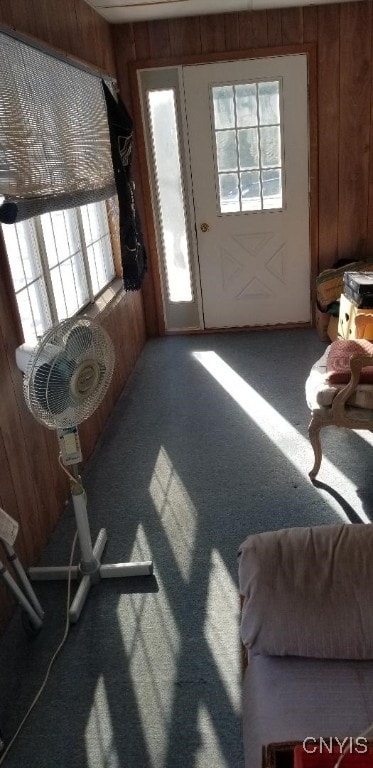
{"points": [[149, 225]]}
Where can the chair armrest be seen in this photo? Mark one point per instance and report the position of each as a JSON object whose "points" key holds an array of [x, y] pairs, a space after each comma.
{"points": [[357, 362]]}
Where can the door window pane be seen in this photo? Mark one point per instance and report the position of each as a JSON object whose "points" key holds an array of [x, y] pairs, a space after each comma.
{"points": [[170, 197], [226, 150], [250, 186], [272, 188], [248, 147], [269, 103], [223, 100], [246, 105], [229, 192], [270, 146], [248, 140]]}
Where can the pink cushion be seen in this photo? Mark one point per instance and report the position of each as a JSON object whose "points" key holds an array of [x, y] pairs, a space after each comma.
{"points": [[338, 361]]}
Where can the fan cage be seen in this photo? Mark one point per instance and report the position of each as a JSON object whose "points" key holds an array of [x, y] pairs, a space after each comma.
{"points": [[69, 373]]}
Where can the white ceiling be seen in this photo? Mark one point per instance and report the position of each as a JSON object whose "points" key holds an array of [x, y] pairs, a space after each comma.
{"points": [[125, 11]]}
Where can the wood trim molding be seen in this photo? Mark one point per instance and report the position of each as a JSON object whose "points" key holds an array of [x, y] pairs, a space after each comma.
{"points": [[220, 56], [147, 198], [203, 58]]}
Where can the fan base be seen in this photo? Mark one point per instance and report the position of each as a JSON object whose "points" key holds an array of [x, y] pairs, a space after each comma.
{"points": [[109, 571]]}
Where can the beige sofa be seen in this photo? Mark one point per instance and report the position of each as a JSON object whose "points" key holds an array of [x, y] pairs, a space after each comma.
{"points": [[307, 625]]}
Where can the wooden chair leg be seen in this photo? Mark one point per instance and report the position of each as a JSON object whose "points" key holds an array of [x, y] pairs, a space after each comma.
{"points": [[314, 435]]}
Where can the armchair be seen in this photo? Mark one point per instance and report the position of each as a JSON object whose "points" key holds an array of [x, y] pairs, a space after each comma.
{"points": [[339, 391]]}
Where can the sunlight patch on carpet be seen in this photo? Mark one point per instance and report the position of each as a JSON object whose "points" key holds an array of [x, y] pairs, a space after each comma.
{"points": [[99, 731], [209, 752], [279, 431], [152, 656], [175, 510], [221, 628]]}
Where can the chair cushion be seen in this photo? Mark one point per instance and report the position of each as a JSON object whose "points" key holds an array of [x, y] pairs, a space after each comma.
{"points": [[308, 592], [320, 393], [338, 360]]}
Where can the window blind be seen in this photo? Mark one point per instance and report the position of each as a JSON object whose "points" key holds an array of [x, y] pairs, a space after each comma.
{"points": [[54, 138]]}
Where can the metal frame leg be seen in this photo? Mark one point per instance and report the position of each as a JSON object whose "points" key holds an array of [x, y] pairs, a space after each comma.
{"points": [[90, 569], [20, 597]]}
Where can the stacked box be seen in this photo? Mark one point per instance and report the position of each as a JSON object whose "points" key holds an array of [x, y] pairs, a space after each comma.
{"points": [[329, 283], [358, 287], [349, 326]]}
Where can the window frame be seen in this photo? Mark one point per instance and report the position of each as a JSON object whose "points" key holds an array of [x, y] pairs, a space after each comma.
{"points": [[95, 303]]}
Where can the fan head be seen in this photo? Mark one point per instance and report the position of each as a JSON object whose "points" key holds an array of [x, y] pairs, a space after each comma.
{"points": [[69, 373]]}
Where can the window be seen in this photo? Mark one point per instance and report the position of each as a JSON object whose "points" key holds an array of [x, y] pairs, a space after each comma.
{"points": [[60, 261], [248, 146], [170, 193]]}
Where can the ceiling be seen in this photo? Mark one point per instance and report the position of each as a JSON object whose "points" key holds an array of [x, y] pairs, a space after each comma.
{"points": [[125, 11]]}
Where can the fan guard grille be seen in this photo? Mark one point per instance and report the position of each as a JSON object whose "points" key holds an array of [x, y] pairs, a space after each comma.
{"points": [[69, 373]]}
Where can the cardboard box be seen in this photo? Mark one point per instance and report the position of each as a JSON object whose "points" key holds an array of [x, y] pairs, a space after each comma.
{"points": [[329, 283], [333, 328], [322, 322], [348, 326]]}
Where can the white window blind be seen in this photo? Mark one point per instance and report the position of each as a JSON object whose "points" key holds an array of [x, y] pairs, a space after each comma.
{"points": [[54, 138]]}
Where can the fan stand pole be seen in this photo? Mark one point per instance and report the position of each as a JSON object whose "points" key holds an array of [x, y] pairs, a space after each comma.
{"points": [[90, 569]]}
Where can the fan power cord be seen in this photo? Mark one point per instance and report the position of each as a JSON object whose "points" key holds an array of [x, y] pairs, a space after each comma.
{"points": [[53, 659], [346, 749], [74, 480]]}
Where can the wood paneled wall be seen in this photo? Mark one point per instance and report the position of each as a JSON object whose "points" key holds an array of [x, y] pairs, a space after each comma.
{"points": [[32, 487], [342, 35]]}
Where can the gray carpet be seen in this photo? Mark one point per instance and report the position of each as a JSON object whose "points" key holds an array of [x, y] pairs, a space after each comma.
{"points": [[207, 444]]}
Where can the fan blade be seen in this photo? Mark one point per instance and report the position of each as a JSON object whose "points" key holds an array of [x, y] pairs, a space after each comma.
{"points": [[78, 341], [52, 385]]}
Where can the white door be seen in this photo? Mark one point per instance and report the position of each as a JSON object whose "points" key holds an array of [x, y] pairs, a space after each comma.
{"points": [[248, 137]]}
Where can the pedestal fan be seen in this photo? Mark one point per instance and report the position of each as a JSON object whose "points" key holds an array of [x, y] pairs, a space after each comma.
{"points": [[66, 378]]}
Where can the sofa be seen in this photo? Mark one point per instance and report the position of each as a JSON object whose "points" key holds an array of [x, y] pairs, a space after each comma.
{"points": [[307, 629]]}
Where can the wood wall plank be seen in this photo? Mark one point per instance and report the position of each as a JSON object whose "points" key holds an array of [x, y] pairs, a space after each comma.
{"points": [[259, 29], [354, 128], [274, 27], [328, 121], [310, 24], [230, 24], [212, 34], [159, 39], [292, 26], [142, 43], [245, 33], [185, 36], [33, 487], [370, 191]]}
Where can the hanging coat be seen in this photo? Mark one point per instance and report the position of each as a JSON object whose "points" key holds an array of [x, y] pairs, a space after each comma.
{"points": [[133, 253]]}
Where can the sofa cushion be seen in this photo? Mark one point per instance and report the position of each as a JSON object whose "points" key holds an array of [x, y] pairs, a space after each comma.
{"points": [[289, 699], [308, 592]]}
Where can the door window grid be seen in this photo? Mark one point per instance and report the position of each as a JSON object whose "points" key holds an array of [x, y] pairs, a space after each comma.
{"points": [[54, 276], [248, 146]]}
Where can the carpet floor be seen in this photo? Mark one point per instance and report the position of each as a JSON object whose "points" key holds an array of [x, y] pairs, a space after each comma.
{"points": [[207, 443]]}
